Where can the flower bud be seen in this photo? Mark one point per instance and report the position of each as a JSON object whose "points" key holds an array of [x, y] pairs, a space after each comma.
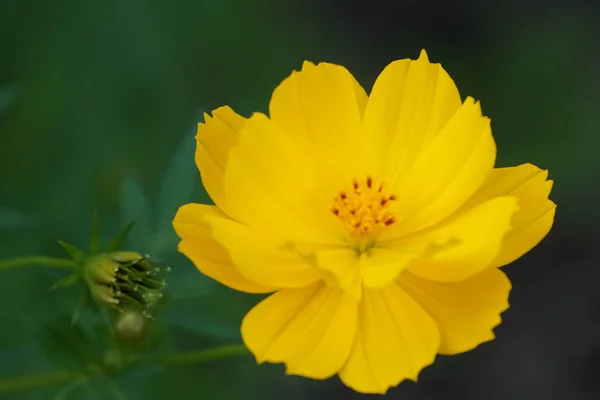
{"points": [[124, 279], [130, 326]]}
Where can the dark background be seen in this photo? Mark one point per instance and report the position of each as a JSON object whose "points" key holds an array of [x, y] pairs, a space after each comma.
{"points": [[98, 106]]}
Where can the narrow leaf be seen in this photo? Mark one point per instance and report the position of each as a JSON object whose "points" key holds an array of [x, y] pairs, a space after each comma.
{"points": [[73, 252], [95, 234], [79, 308], [106, 319], [67, 281], [117, 242], [135, 206]]}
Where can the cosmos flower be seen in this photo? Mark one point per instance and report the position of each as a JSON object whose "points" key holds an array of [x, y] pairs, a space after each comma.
{"points": [[377, 221]]}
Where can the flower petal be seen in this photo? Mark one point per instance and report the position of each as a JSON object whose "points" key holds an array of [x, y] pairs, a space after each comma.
{"points": [[446, 172], [409, 104], [374, 269], [395, 340], [272, 186], [341, 267], [467, 243], [198, 244], [322, 107], [311, 330], [466, 312], [215, 137], [536, 212], [267, 260], [380, 265]]}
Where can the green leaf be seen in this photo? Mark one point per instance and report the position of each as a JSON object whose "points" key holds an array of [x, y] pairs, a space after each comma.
{"points": [[73, 252], [95, 234], [117, 242], [135, 206], [177, 187], [67, 281]]}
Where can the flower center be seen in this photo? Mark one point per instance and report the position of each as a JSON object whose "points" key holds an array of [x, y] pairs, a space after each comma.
{"points": [[364, 209]]}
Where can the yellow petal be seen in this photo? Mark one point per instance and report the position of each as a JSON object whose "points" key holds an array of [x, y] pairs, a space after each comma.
{"points": [[409, 104], [446, 172], [198, 244], [311, 330], [272, 185], [374, 269], [466, 243], [341, 268], [466, 312], [395, 340], [535, 217], [215, 137], [267, 260], [322, 107], [380, 265]]}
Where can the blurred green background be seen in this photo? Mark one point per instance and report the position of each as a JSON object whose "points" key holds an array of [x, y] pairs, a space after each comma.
{"points": [[98, 107]]}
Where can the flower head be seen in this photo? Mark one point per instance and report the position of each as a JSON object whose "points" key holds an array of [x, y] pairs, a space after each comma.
{"points": [[378, 221], [124, 279]]}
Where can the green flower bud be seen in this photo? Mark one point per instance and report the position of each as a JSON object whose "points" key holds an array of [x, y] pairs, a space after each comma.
{"points": [[130, 326], [125, 279]]}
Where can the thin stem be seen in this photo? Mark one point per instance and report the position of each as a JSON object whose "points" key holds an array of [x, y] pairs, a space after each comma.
{"points": [[202, 356], [38, 260], [35, 381], [57, 377]]}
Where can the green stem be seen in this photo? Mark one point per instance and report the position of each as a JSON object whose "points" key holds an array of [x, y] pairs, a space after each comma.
{"points": [[56, 377], [35, 381], [37, 260], [202, 356]]}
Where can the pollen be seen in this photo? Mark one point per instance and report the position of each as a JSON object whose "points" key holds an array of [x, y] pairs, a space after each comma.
{"points": [[364, 208]]}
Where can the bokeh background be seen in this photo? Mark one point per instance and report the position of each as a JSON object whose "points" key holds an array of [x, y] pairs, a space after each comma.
{"points": [[98, 107]]}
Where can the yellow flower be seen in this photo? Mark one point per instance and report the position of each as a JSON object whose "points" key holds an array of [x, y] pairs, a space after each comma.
{"points": [[378, 221]]}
